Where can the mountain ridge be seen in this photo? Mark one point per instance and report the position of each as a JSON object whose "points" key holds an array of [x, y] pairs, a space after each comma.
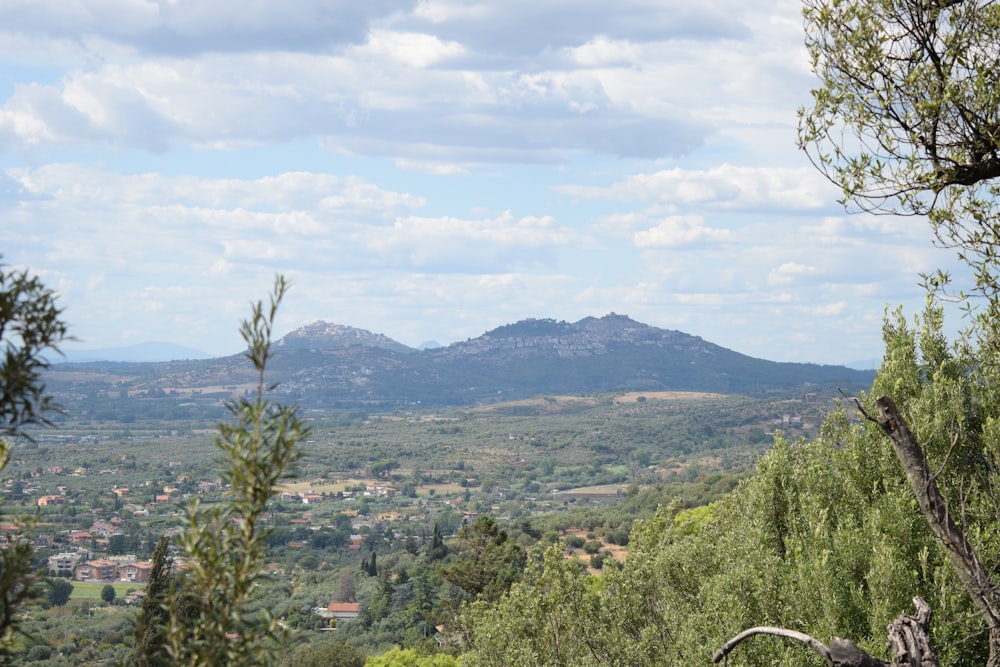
{"points": [[324, 365]]}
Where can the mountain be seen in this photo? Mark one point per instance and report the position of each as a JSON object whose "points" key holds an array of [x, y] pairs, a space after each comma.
{"points": [[325, 365], [326, 336]]}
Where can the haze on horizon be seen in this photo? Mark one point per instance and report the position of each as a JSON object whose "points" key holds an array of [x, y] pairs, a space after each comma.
{"points": [[432, 170]]}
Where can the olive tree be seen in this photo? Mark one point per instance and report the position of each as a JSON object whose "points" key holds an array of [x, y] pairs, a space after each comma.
{"points": [[906, 119], [223, 546], [31, 326]]}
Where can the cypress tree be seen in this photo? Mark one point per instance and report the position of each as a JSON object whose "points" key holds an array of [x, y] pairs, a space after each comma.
{"points": [[149, 638]]}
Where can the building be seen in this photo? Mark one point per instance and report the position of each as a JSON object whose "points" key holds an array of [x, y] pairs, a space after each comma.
{"points": [[136, 571], [80, 538], [116, 568], [96, 570], [343, 611], [64, 564]]}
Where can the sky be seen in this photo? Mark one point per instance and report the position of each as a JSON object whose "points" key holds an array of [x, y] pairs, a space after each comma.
{"points": [[433, 169]]}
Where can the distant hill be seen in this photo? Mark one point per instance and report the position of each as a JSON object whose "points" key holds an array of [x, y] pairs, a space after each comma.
{"points": [[325, 365], [327, 336]]}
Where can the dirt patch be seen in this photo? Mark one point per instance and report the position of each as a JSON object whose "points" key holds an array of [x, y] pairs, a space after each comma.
{"points": [[634, 396], [618, 552], [540, 401]]}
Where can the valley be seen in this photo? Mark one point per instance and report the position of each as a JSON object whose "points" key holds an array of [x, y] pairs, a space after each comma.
{"points": [[574, 468]]}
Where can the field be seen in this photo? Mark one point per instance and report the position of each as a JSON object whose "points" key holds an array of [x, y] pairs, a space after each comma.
{"points": [[91, 590]]}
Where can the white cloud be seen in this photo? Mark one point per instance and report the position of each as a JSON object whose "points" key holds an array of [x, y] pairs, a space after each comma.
{"points": [[485, 246], [678, 232], [723, 187], [411, 49], [601, 51], [788, 272], [197, 26], [829, 309]]}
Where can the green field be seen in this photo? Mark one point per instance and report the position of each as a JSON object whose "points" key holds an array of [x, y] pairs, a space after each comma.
{"points": [[91, 590]]}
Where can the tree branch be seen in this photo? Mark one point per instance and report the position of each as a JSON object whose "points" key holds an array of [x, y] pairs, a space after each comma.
{"points": [[932, 503], [909, 642], [840, 653], [814, 644]]}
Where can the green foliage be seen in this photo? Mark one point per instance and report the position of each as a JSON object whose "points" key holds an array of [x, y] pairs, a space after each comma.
{"points": [[398, 657], [224, 545], [370, 565], [437, 549], [148, 647], [487, 562], [326, 654], [906, 118], [108, 594], [559, 616], [30, 325], [59, 592]]}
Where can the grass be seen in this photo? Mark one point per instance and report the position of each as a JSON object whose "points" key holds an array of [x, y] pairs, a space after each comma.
{"points": [[91, 590]]}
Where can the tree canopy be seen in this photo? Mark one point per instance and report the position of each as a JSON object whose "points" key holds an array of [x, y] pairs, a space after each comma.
{"points": [[906, 118], [31, 325], [224, 546]]}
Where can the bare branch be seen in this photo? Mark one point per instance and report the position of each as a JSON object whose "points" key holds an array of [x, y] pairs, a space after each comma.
{"points": [[812, 643]]}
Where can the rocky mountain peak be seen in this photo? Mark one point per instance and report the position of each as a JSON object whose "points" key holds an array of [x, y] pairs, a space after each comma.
{"points": [[322, 335]]}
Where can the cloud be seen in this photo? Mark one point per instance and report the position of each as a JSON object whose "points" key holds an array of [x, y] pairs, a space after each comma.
{"points": [[680, 232], [303, 219], [788, 272], [352, 102], [197, 26], [400, 165], [438, 81], [84, 185], [485, 246], [829, 309], [522, 28], [726, 187]]}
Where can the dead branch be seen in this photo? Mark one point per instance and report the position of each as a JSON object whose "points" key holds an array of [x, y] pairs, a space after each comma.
{"points": [[840, 652], [909, 643], [935, 509], [910, 639], [814, 644]]}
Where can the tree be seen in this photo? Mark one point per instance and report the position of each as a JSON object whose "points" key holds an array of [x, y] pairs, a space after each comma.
{"points": [[108, 594], [30, 326], [906, 119], [327, 654], [149, 645], [60, 591], [487, 561], [558, 615], [346, 586], [398, 657], [223, 546], [436, 550], [902, 505]]}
